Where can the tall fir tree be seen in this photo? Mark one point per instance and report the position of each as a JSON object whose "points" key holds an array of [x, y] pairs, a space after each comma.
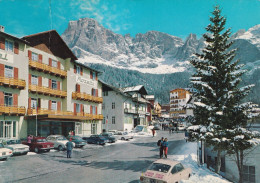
{"points": [[217, 91]]}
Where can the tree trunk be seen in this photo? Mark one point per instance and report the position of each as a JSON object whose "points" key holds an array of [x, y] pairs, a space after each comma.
{"points": [[241, 166], [218, 163]]}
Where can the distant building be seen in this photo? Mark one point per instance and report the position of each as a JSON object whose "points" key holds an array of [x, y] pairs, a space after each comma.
{"points": [[124, 108], [157, 112], [178, 100], [165, 110], [150, 106]]}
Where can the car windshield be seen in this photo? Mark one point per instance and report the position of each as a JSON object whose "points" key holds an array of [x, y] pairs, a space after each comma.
{"points": [[41, 140], [160, 167], [61, 138], [9, 142], [77, 137], [139, 128], [1, 145]]}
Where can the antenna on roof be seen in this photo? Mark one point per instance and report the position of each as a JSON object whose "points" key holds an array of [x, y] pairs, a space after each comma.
{"points": [[50, 14]]}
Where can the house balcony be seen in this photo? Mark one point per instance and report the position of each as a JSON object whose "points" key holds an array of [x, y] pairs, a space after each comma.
{"points": [[47, 91], [12, 110], [179, 112], [86, 97], [11, 82], [46, 68], [62, 115], [130, 111]]}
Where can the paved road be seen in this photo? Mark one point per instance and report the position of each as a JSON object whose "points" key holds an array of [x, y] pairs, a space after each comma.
{"points": [[122, 162]]}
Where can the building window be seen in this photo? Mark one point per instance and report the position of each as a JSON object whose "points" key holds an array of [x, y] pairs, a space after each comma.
{"points": [[8, 129], [94, 75], [249, 174], [77, 69], [35, 56], [9, 71], [54, 84], [113, 105], [54, 63], [34, 103], [93, 110], [103, 106], [78, 128], [53, 105], [8, 99], [93, 128], [9, 46], [125, 105], [113, 120], [34, 80], [105, 93], [77, 108], [104, 121]]}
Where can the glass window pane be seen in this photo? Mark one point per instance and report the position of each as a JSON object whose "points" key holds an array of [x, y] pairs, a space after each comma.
{"points": [[54, 105], [14, 128], [54, 63], [54, 84], [35, 57], [9, 72], [245, 169], [34, 80], [1, 129], [77, 108], [252, 178], [251, 169]]}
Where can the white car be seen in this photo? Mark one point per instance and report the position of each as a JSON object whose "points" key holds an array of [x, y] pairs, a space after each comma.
{"points": [[165, 171], [59, 141], [181, 127], [5, 152], [124, 135], [16, 146]]}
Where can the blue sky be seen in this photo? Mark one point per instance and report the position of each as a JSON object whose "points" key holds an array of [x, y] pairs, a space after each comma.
{"points": [[175, 17]]}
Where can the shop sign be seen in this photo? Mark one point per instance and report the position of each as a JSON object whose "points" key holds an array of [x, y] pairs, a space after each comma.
{"points": [[6, 57], [82, 80], [141, 116]]}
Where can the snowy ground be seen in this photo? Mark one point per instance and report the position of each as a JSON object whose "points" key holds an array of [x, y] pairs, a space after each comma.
{"points": [[201, 174]]}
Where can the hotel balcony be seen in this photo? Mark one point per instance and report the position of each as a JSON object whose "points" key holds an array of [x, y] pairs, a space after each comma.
{"points": [[11, 82], [86, 97], [62, 115], [130, 111], [46, 68], [12, 110], [47, 91], [179, 112]]}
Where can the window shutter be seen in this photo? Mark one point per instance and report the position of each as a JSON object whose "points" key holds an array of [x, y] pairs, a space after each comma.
{"points": [[15, 73], [40, 58], [58, 64], [96, 93], [75, 110], [50, 64], [2, 98], [39, 81], [92, 92], [81, 107], [58, 85], [75, 69], [81, 71], [49, 104], [96, 76], [91, 109], [29, 103], [91, 75], [2, 43], [16, 48], [2, 70], [59, 106], [78, 88], [15, 96], [50, 83], [96, 109], [30, 79], [30, 55]]}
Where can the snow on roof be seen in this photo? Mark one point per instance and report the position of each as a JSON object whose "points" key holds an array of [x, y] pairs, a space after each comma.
{"points": [[149, 96], [132, 88]]}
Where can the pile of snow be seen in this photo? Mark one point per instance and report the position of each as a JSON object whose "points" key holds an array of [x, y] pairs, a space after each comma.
{"points": [[188, 157], [31, 153]]}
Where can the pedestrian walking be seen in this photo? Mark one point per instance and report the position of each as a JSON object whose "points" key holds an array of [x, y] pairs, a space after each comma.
{"points": [[165, 145], [160, 144], [153, 131], [29, 139], [69, 146]]}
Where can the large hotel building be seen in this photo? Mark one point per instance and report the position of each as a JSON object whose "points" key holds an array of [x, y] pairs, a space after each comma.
{"points": [[44, 90]]}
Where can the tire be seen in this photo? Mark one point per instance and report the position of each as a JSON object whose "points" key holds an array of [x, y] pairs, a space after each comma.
{"points": [[122, 138], [48, 150], [189, 176], [60, 148], [36, 150], [25, 153]]}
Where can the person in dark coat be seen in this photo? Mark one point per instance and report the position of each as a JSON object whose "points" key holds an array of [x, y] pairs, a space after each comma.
{"points": [[153, 131], [69, 146], [160, 143], [165, 145]]}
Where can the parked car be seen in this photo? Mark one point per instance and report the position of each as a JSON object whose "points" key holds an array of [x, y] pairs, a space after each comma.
{"points": [[39, 144], [124, 135], [113, 131], [5, 152], [16, 146], [95, 139], [167, 171], [79, 142], [181, 127], [111, 138], [59, 141]]}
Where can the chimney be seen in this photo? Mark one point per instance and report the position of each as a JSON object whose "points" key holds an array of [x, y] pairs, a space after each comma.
{"points": [[2, 28]]}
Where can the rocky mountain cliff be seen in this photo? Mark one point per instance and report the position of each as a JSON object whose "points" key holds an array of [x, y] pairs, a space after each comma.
{"points": [[153, 52]]}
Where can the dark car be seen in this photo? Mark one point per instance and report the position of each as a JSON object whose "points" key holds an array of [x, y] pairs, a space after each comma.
{"points": [[39, 144], [95, 139], [111, 138], [79, 142]]}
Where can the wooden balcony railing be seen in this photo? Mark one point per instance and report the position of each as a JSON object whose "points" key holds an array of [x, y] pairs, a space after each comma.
{"points": [[47, 91], [12, 110], [46, 68], [86, 97], [85, 116], [11, 82]]}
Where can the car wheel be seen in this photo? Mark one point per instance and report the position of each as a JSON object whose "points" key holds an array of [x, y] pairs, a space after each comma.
{"points": [[25, 153], [60, 148], [122, 138], [48, 150], [189, 176], [36, 150]]}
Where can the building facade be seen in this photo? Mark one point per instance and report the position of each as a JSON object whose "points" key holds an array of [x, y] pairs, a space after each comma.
{"points": [[59, 94], [178, 100]]}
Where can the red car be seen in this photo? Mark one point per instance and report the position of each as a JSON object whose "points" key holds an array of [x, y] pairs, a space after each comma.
{"points": [[40, 144]]}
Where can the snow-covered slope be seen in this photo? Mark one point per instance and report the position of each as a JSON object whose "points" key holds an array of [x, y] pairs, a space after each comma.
{"points": [[252, 35]]}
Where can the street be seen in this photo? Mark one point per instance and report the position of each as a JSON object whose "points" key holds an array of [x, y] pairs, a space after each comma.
{"points": [[117, 163]]}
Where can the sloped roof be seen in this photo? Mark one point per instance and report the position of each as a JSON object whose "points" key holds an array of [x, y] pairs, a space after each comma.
{"points": [[13, 37], [53, 41], [138, 88], [106, 86]]}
